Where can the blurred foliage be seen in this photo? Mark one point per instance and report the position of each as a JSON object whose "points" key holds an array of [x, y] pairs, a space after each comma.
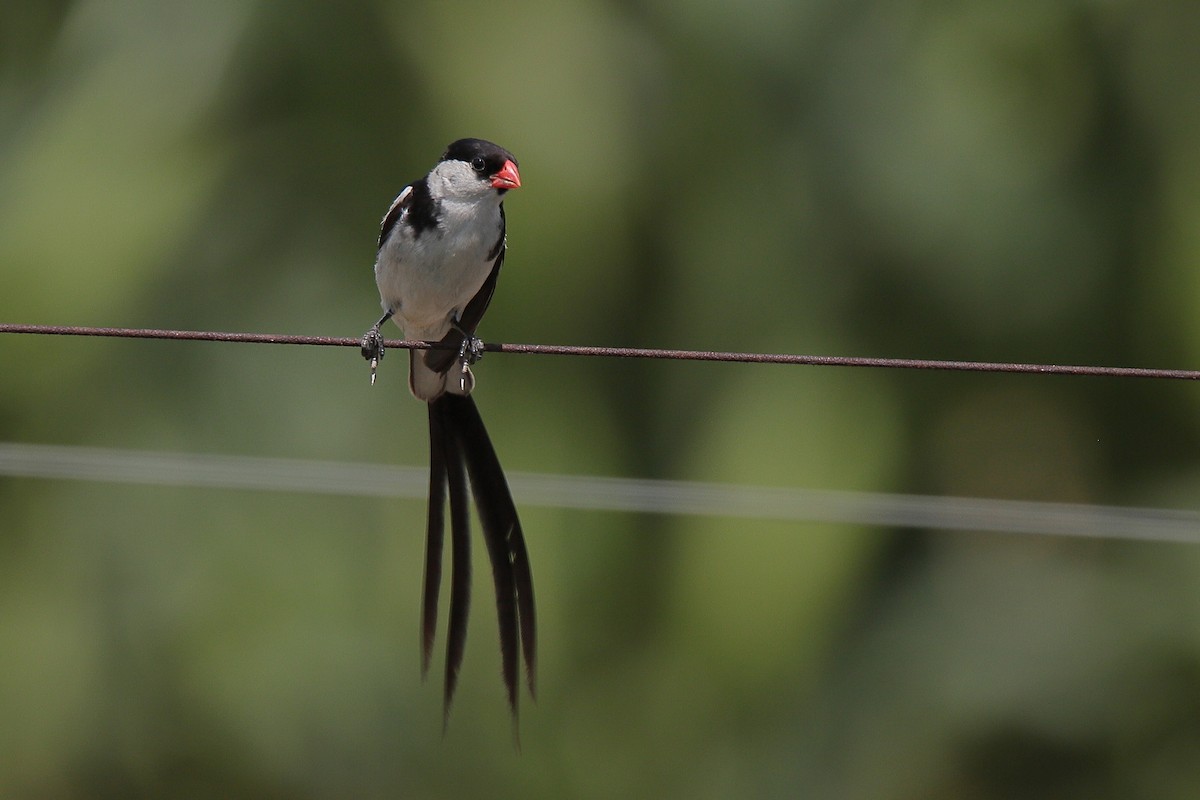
{"points": [[978, 180]]}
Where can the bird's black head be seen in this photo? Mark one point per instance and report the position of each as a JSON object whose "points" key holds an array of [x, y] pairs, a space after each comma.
{"points": [[490, 161]]}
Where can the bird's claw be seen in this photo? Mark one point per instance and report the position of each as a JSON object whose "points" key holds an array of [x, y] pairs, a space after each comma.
{"points": [[372, 349], [470, 351]]}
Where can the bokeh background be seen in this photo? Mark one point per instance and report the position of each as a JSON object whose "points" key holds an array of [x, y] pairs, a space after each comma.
{"points": [[1014, 180]]}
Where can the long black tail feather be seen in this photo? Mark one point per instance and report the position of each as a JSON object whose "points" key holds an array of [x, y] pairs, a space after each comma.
{"points": [[460, 571], [459, 444], [434, 535]]}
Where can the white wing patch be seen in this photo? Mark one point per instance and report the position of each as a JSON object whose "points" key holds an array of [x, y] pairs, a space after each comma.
{"points": [[394, 213]]}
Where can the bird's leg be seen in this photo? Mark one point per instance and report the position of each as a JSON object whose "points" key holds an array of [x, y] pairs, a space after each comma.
{"points": [[471, 349], [372, 344]]}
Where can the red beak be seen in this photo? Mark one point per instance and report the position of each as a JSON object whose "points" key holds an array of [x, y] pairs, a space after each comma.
{"points": [[507, 177]]}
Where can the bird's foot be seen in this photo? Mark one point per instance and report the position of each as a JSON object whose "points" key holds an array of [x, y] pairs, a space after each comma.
{"points": [[372, 349], [470, 351]]}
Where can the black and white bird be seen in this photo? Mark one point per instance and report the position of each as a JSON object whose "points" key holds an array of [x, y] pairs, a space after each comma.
{"points": [[441, 246]]}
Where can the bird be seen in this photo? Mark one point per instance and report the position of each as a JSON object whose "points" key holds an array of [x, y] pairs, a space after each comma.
{"points": [[441, 247]]}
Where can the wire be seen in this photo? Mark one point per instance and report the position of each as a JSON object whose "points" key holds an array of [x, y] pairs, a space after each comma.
{"points": [[608, 494], [627, 352]]}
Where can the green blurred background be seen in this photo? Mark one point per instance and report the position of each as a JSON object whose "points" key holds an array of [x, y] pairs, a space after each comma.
{"points": [[981, 179]]}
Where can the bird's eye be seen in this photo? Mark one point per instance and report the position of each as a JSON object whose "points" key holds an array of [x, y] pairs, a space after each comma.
{"points": [[478, 164]]}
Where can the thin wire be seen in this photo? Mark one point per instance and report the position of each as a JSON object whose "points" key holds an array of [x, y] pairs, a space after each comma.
{"points": [[608, 494], [627, 352]]}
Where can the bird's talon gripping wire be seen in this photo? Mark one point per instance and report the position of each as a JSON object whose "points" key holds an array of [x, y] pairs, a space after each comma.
{"points": [[372, 345], [372, 350], [470, 351]]}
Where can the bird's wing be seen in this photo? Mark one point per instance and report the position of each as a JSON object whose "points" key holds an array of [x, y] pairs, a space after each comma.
{"points": [[397, 209], [442, 358]]}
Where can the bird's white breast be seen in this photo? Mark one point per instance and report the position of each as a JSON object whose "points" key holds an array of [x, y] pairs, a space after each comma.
{"points": [[429, 277]]}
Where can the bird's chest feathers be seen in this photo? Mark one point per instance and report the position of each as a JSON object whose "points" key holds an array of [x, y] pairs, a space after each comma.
{"points": [[423, 274]]}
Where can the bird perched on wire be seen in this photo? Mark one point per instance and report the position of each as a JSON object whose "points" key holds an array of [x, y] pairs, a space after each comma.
{"points": [[441, 246]]}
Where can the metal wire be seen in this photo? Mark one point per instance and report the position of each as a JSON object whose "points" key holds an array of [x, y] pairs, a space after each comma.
{"points": [[627, 352], [613, 494]]}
